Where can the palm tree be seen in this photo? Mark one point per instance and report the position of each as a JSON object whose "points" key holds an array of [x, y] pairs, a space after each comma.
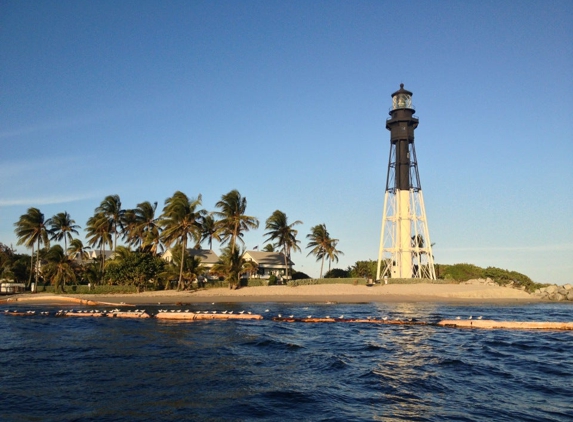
{"points": [[32, 229], [129, 224], [99, 230], [233, 219], [91, 273], [192, 269], [232, 264], [59, 267], [319, 242], [283, 234], [143, 228], [78, 250], [152, 242], [269, 247], [170, 272], [62, 227], [181, 220], [332, 252], [121, 254], [110, 207], [210, 229]]}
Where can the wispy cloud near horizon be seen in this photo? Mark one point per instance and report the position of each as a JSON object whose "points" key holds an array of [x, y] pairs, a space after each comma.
{"points": [[48, 126], [16, 168], [84, 118], [45, 200], [535, 248]]}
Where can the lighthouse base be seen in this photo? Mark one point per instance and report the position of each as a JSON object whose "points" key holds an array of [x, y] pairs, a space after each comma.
{"points": [[405, 248]]}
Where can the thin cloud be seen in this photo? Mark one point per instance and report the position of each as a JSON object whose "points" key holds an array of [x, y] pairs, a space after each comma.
{"points": [[46, 200], [536, 248], [48, 126], [16, 168], [56, 124], [79, 120]]}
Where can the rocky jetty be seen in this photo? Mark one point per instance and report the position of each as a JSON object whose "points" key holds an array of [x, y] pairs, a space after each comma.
{"points": [[480, 281], [555, 293], [489, 282]]}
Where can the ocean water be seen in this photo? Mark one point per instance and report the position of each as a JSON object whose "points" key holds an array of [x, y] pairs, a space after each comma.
{"points": [[104, 369]]}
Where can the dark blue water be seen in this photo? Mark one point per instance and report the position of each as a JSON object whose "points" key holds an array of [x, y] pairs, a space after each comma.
{"points": [[82, 369]]}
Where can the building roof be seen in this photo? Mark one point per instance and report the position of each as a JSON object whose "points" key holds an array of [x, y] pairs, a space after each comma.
{"points": [[268, 259], [96, 253], [207, 256]]}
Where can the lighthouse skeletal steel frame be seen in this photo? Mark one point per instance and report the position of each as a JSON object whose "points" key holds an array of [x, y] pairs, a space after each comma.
{"points": [[405, 247]]}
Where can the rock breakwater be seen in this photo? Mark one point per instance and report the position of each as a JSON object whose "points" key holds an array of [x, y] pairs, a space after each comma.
{"points": [[555, 293]]}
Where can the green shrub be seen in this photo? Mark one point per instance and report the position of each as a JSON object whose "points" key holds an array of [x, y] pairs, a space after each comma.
{"points": [[337, 273], [302, 282], [213, 284], [299, 275], [420, 280], [313, 281], [464, 272], [363, 269], [256, 282], [461, 272], [134, 269]]}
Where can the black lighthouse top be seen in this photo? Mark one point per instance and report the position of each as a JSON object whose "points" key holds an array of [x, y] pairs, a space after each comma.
{"points": [[402, 99], [401, 125]]}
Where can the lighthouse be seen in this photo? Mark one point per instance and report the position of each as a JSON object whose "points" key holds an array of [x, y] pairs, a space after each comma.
{"points": [[405, 247]]}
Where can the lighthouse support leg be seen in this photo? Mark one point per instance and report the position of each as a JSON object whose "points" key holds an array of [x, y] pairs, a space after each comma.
{"points": [[382, 232]]}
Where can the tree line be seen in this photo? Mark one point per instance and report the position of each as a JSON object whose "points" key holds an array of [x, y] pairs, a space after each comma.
{"points": [[144, 236]]}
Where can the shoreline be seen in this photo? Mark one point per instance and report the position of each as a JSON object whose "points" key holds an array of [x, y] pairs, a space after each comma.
{"points": [[323, 293]]}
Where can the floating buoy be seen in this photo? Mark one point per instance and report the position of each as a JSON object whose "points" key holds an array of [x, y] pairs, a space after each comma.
{"points": [[350, 320], [515, 325], [204, 317]]}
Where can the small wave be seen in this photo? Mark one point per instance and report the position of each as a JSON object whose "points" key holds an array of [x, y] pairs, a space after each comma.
{"points": [[270, 343], [493, 352], [373, 346], [328, 364], [451, 362], [289, 395]]}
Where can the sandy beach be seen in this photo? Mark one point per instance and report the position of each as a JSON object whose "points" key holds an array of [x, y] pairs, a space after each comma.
{"points": [[341, 293]]}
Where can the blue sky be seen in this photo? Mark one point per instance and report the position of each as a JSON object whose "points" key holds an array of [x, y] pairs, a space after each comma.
{"points": [[287, 102]]}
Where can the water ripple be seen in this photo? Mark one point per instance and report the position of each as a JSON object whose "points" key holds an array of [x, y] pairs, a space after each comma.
{"points": [[102, 369]]}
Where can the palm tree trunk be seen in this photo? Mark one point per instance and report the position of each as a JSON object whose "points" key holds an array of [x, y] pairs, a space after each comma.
{"points": [[286, 262], [102, 249], [37, 262], [179, 284], [234, 239], [31, 266], [321, 265], [65, 254]]}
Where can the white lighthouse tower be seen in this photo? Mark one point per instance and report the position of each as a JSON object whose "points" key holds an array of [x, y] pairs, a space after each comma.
{"points": [[405, 247]]}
